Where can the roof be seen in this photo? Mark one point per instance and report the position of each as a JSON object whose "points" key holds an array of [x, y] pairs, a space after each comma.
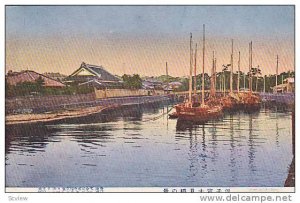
{"points": [[175, 83], [31, 76], [100, 84], [96, 71]]}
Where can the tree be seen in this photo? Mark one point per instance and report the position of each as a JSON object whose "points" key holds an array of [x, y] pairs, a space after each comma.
{"points": [[256, 72], [132, 82], [40, 82]]}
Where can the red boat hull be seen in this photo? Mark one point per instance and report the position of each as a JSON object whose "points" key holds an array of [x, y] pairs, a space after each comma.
{"points": [[199, 114]]}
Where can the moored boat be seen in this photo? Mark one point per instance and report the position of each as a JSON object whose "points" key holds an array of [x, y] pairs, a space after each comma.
{"points": [[200, 114], [251, 101], [192, 110]]}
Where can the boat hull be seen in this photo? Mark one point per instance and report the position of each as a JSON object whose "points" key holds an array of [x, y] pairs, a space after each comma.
{"points": [[198, 114], [251, 102]]}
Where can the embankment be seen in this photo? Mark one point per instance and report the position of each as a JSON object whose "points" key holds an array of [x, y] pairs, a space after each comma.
{"points": [[41, 104], [22, 111]]}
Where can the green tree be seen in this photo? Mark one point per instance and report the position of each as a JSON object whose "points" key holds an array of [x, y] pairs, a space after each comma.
{"points": [[132, 82]]}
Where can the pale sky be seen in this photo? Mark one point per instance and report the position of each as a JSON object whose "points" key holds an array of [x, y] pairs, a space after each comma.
{"points": [[140, 39]]}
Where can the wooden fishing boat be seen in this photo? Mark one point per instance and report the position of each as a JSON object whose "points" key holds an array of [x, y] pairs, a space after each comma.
{"points": [[192, 110], [213, 100], [199, 114], [228, 103], [251, 101]]}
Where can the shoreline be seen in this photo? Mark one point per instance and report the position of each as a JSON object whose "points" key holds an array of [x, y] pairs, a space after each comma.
{"points": [[77, 110], [54, 116]]}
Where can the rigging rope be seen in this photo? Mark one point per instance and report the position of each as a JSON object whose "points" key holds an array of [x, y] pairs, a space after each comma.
{"points": [[158, 117]]}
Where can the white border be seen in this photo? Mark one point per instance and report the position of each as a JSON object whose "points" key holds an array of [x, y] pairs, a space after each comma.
{"points": [[121, 197]]}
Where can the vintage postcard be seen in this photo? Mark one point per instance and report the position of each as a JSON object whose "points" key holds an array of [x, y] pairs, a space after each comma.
{"points": [[160, 98]]}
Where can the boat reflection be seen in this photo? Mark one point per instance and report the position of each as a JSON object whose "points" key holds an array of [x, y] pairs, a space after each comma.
{"points": [[205, 141]]}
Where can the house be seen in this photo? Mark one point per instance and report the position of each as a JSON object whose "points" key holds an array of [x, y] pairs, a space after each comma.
{"points": [[56, 76], [287, 86], [14, 78], [175, 85], [151, 83], [92, 75]]}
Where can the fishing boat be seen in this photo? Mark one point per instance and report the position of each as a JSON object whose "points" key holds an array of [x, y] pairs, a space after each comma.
{"points": [[213, 100], [191, 109], [250, 101], [230, 102]]}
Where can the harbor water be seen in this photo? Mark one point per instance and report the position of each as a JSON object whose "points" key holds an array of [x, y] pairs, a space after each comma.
{"points": [[141, 147]]}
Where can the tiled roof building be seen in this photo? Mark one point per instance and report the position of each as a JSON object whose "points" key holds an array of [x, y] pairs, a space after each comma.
{"points": [[93, 75], [13, 78]]}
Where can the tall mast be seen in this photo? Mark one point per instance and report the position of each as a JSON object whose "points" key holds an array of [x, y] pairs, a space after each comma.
{"points": [[195, 72], [238, 80], [276, 73], [203, 64], [244, 82], [221, 82], [167, 77], [191, 71], [249, 70], [212, 78], [224, 83], [251, 65], [215, 74], [264, 83], [231, 70]]}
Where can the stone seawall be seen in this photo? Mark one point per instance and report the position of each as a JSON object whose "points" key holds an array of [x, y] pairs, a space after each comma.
{"points": [[23, 105]]}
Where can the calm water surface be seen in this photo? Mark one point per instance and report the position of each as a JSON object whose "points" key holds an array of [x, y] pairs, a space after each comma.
{"points": [[128, 148]]}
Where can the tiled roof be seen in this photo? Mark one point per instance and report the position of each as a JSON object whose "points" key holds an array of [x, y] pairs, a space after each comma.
{"points": [[31, 76], [98, 71]]}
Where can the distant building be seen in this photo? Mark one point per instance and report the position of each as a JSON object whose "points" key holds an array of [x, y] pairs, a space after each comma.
{"points": [[92, 75], [14, 78], [175, 85], [55, 76], [287, 86], [151, 84]]}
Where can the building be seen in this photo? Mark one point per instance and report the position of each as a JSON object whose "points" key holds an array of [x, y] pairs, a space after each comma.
{"points": [[151, 84], [14, 78], [175, 85], [95, 76], [287, 86], [56, 76]]}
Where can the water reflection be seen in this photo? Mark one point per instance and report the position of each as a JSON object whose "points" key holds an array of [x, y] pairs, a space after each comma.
{"points": [[26, 138], [128, 147], [230, 132]]}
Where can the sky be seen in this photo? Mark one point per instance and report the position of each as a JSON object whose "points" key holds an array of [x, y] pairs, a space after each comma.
{"points": [[141, 39]]}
